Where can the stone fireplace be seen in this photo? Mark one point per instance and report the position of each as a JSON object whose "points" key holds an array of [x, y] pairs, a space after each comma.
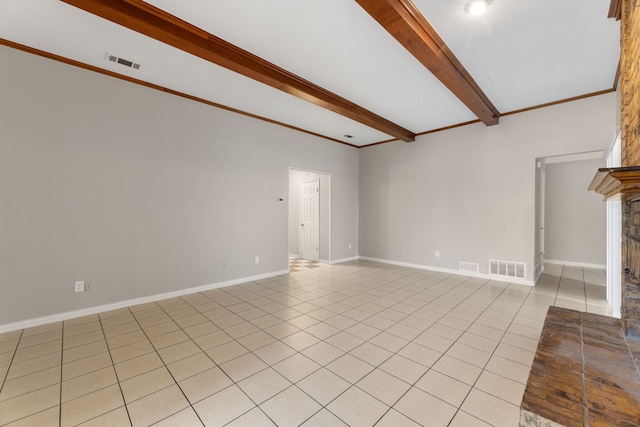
{"points": [[586, 369]]}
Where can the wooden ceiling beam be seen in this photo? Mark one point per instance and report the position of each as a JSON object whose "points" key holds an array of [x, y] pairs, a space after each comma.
{"points": [[403, 20], [164, 27], [615, 9]]}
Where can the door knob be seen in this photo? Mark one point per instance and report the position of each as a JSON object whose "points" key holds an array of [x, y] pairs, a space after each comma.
{"points": [[301, 225]]}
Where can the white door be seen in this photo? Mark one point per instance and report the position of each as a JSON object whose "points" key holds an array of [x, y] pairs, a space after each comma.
{"points": [[309, 220]]}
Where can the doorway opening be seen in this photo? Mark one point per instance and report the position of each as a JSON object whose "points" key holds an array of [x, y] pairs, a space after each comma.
{"points": [[309, 215]]}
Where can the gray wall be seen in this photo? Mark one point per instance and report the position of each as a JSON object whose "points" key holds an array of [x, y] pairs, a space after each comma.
{"points": [[575, 219], [470, 192], [141, 192], [295, 176]]}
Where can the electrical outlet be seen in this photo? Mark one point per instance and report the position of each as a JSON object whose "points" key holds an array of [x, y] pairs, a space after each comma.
{"points": [[79, 286], [88, 286], [437, 254], [349, 246], [257, 260]]}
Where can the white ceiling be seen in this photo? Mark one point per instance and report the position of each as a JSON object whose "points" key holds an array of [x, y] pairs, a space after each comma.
{"points": [[521, 53]]}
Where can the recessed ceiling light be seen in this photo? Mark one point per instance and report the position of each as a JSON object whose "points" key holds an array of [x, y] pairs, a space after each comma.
{"points": [[476, 7]]}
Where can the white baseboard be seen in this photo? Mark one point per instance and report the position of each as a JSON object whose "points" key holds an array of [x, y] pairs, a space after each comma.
{"points": [[297, 256], [575, 264], [128, 303], [452, 271], [341, 260]]}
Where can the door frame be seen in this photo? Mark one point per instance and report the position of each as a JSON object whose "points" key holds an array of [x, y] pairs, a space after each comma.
{"points": [[301, 246], [296, 175]]}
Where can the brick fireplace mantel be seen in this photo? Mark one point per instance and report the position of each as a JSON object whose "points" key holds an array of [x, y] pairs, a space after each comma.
{"points": [[617, 183]]}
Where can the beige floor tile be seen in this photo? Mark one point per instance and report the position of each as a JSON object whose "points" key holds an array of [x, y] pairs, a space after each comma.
{"points": [[501, 387], [124, 328], [243, 367], [137, 366], [444, 387], [226, 352], [27, 353], [425, 409], [157, 406], [146, 384], [241, 330], [131, 351], [490, 409], [281, 330], [33, 365], [213, 339], [47, 418], [70, 331], [296, 367], [455, 368], [82, 339], [462, 419], [90, 406], [524, 357], [256, 340], [324, 418], [126, 339], [169, 339], [6, 359], [371, 353], [403, 368], [476, 341], [323, 386], [394, 418], [82, 351], [38, 339], [389, 342], [179, 351], [444, 331], [11, 337], [200, 329], [350, 368], [469, 354], [301, 340], [383, 386], [28, 383], [223, 407], [204, 384], [85, 365], [118, 417], [322, 353], [254, 417], [434, 342], [363, 331], [28, 404], [190, 366], [420, 354], [509, 369], [357, 408], [520, 342], [88, 383], [185, 418], [163, 326], [264, 385], [274, 352], [291, 407]]}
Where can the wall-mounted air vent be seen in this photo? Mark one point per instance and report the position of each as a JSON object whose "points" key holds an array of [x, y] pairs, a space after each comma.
{"points": [[507, 268], [470, 267], [122, 61]]}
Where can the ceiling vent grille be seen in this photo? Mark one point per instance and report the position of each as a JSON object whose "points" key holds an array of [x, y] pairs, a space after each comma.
{"points": [[507, 268], [122, 61], [470, 267]]}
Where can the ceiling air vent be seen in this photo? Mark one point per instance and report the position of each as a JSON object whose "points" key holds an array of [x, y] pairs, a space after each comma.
{"points": [[122, 61], [507, 268]]}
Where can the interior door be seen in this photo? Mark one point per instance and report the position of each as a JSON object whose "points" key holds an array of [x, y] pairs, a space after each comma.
{"points": [[310, 220]]}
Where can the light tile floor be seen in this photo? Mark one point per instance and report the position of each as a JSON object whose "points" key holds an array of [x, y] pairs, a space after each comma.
{"points": [[357, 344]]}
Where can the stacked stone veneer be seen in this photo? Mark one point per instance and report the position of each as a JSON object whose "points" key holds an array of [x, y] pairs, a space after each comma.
{"points": [[630, 132]]}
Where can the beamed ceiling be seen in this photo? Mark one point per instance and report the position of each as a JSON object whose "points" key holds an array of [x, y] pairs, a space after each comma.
{"points": [[358, 72]]}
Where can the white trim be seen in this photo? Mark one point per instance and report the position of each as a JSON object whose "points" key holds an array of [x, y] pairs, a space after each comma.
{"points": [[575, 264], [341, 260], [297, 256], [9, 327], [452, 271], [591, 155]]}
